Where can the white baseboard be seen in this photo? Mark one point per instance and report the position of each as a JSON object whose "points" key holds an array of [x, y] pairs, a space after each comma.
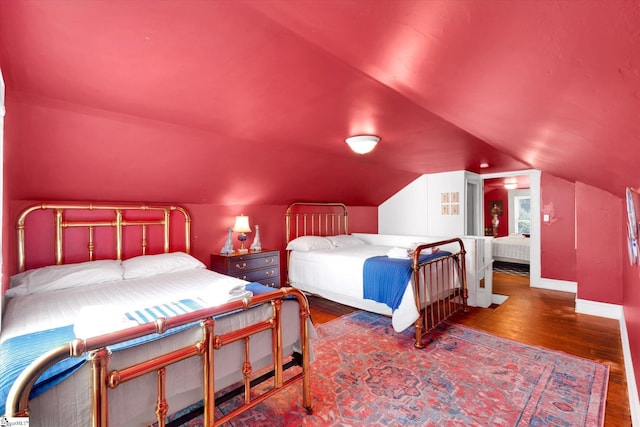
{"points": [[554, 285], [632, 387], [498, 299], [601, 309]]}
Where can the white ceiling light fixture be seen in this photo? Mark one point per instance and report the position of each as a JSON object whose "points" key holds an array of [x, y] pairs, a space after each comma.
{"points": [[362, 144], [511, 184]]}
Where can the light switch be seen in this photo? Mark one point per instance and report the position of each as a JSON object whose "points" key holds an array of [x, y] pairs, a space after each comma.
{"points": [[545, 217]]}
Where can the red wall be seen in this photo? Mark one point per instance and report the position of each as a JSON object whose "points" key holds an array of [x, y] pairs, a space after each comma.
{"points": [[558, 251], [499, 195], [600, 239]]}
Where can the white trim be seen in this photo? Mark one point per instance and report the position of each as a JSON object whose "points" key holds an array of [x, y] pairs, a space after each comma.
{"points": [[2, 114], [601, 309], [554, 284], [632, 387]]}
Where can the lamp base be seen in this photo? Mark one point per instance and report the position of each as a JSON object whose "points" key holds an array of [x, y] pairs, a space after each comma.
{"points": [[242, 250]]}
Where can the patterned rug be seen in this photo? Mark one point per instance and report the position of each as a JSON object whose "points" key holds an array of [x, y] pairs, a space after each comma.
{"points": [[365, 374], [511, 268]]}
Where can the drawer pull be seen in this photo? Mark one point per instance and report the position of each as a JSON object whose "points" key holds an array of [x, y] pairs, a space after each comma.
{"points": [[241, 266], [269, 260], [270, 273]]}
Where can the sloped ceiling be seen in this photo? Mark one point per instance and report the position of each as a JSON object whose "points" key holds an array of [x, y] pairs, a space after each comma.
{"points": [[250, 101]]}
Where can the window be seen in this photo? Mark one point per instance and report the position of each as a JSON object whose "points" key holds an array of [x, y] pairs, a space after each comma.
{"points": [[522, 214]]}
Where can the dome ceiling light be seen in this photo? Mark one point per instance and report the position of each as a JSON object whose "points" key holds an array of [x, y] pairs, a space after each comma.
{"points": [[362, 144]]}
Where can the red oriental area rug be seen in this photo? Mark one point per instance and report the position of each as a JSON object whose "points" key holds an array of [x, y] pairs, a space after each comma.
{"points": [[366, 374]]}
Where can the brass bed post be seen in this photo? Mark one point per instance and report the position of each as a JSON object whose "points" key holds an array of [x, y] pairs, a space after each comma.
{"points": [[208, 350], [118, 234], [463, 273], [277, 343], [58, 219], [100, 406], [166, 230], [419, 323], [187, 227], [161, 405], [306, 349], [91, 245], [144, 239]]}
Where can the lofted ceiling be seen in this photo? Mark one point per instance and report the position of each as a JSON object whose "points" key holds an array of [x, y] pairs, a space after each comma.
{"points": [[250, 101]]}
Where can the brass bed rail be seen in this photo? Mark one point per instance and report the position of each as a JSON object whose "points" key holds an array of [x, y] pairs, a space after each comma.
{"points": [[118, 222], [103, 379], [445, 278], [331, 220]]}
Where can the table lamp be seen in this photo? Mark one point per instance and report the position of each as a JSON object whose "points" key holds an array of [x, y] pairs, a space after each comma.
{"points": [[242, 226]]}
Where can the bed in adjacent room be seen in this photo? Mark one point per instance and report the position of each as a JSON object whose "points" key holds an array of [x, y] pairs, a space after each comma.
{"points": [[420, 285], [514, 248], [133, 339]]}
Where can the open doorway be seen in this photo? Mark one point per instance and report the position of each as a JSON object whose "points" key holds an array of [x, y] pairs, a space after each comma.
{"points": [[512, 214]]}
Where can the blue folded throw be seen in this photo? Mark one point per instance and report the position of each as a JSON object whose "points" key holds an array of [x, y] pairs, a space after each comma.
{"points": [[385, 279]]}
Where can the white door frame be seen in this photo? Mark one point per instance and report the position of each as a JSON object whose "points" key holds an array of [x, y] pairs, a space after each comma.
{"points": [[535, 270]]}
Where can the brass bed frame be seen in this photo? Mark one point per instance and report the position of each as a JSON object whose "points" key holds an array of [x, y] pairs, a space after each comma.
{"points": [[444, 277], [103, 379]]}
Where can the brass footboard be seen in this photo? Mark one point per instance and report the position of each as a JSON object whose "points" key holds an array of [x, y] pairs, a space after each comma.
{"points": [[104, 379], [440, 287]]}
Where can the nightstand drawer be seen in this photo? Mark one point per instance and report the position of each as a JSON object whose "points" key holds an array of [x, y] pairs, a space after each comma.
{"points": [[243, 264], [263, 267], [272, 283], [257, 275]]}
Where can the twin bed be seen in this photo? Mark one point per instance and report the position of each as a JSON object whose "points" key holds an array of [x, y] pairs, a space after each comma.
{"points": [[127, 333], [132, 339], [513, 248], [420, 284]]}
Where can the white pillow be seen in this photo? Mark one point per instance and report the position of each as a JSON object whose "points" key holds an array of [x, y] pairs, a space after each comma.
{"points": [[309, 243], [150, 265], [54, 277], [344, 240], [427, 251]]}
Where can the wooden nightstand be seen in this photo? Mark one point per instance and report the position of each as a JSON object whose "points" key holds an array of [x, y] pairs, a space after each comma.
{"points": [[263, 266]]}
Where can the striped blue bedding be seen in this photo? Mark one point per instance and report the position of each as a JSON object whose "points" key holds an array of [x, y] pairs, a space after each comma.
{"points": [[18, 352]]}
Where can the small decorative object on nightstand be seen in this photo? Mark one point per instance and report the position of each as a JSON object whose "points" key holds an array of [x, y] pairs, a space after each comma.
{"points": [[263, 267], [228, 246], [256, 246]]}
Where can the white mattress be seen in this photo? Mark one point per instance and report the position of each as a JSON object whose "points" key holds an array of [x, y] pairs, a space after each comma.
{"points": [[131, 403], [337, 274], [512, 249]]}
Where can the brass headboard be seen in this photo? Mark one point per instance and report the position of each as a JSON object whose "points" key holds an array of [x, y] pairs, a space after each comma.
{"points": [[316, 219], [114, 216]]}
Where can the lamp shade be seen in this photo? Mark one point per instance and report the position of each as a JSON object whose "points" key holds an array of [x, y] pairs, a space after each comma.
{"points": [[362, 144], [242, 224]]}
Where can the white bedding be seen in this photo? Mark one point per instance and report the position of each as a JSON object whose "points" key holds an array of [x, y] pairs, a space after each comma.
{"points": [[512, 248], [337, 274], [67, 403]]}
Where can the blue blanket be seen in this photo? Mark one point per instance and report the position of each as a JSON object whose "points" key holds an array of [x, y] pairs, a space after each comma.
{"points": [[18, 352], [385, 279]]}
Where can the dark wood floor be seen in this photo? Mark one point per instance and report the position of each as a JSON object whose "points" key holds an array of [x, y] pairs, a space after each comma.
{"points": [[544, 318]]}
